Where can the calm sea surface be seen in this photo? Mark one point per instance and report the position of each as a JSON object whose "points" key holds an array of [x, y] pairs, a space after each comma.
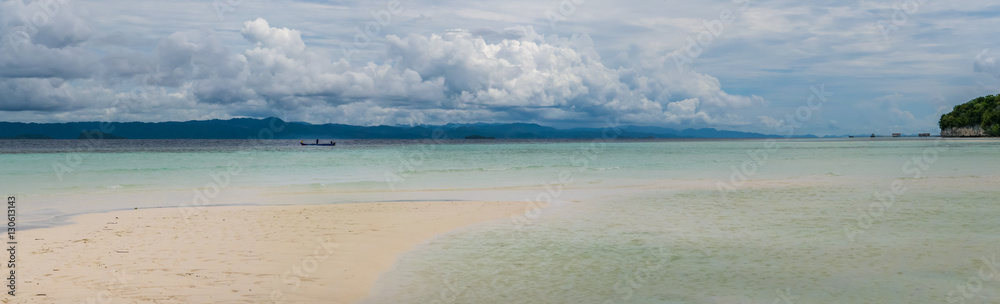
{"points": [[681, 221]]}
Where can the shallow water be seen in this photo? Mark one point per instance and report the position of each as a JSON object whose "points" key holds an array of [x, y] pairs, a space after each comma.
{"points": [[689, 221], [803, 229]]}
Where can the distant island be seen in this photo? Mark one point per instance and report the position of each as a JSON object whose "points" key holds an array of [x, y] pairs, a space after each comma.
{"points": [[26, 136], [244, 128], [83, 135], [479, 137], [977, 118], [98, 135]]}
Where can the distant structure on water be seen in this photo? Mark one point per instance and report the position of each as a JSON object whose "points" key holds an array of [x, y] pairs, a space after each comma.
{"points": [[896, 134], [924, 134]]}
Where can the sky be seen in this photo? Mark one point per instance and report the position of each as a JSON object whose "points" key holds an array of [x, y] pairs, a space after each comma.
{"points": [[812, 67]]}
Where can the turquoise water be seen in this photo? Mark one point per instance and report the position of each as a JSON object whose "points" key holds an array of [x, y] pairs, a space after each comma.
{"points": [[689, 221], [802, 230]]}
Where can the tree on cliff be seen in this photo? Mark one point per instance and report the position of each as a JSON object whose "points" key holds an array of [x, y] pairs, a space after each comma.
{"points": [[983, 111]]}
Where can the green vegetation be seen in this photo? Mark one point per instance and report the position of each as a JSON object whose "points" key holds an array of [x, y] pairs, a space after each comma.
{"points": [[983, 111]]}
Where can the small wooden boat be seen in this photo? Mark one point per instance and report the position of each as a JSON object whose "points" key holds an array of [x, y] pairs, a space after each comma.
{"points": [[318, 144]]}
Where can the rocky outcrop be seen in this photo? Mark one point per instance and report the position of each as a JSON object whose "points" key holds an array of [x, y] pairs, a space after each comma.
{"points": [[970, 131]]}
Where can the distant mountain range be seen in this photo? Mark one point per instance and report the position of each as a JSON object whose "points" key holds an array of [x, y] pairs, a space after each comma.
{"points": [[242, 128]]}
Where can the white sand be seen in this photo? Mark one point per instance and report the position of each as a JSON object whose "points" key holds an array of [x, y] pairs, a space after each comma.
{"points": [[234, 254]]}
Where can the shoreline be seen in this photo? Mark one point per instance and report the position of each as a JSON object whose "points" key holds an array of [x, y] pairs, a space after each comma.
{"points": [[246, 253], [69, 218]]}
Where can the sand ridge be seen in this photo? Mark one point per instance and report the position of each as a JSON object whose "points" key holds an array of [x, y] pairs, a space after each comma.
{"points": [[233, 254]]}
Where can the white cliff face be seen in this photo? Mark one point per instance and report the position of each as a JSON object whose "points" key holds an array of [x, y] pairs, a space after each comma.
{"points": [[970, 131]]}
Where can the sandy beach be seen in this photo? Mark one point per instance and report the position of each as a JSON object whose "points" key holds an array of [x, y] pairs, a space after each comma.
{"points": [[232, 254]]}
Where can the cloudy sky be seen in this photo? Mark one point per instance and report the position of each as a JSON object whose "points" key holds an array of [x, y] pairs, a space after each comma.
{"points": [[882, 66]]}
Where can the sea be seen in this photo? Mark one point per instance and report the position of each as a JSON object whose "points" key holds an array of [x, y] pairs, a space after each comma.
{"points": [[861, 220]]}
